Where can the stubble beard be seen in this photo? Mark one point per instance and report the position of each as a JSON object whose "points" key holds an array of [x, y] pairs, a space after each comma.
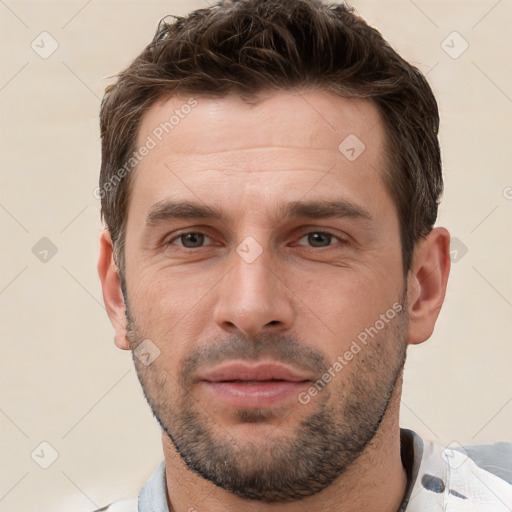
{"points": [[275, 468]]}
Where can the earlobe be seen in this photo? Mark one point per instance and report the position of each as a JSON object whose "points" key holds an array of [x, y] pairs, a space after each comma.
{"points": [[111, 288], [427, 283]]}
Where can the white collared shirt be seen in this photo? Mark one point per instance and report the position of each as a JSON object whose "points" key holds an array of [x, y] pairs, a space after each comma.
{"points": [[447, 479]]}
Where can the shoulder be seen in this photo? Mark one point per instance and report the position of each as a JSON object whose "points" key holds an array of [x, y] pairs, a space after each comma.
{"points": [[496, 458]]}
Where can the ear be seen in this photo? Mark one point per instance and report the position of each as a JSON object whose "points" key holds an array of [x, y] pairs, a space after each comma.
{"points": [[427, 281], [112, 294]]}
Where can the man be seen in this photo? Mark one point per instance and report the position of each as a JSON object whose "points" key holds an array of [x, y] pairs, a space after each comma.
{"points": [[270, 181]]}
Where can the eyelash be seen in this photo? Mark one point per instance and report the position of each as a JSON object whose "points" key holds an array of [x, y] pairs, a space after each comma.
{"points": [[184, 233]]}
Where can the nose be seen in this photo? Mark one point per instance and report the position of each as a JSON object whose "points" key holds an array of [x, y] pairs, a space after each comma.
{"points": [[254, 297]]}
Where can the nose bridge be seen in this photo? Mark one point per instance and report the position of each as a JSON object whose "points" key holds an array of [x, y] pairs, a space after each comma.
{"points": [[252, 272], [253, 296]]}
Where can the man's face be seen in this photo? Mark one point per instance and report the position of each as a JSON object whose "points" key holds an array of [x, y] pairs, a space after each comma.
{"points": [[298, 263]]}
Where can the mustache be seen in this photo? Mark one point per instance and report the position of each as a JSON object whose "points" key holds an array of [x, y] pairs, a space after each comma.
{"points": [[283, 349]]}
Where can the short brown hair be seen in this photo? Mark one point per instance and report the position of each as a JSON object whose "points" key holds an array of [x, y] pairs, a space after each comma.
{"points": [[250, 46]]}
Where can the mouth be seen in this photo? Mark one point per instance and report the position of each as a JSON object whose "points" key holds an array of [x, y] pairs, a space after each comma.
{"points": [[262, 385]]}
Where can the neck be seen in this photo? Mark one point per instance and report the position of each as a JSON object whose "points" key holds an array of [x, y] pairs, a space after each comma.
{"points": [[375, 482]]}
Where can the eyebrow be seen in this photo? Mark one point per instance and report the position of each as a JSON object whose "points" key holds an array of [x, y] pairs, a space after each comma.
{"points": [[319, 209]]}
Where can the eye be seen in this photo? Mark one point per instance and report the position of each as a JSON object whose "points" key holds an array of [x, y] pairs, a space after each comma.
{"points": [[319, 239], [190, 240], [196, 239]]}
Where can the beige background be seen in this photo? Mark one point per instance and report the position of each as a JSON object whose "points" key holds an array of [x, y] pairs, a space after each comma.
{"points": [[63, 381]]}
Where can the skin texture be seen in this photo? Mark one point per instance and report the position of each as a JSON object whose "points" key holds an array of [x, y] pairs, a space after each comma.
{"points": [[302, 302]]}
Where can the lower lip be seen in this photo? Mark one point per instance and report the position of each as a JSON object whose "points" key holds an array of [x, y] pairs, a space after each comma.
{"points": [[262, 394]]}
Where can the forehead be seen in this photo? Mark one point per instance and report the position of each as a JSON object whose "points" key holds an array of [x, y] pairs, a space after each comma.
{"points": [[301, 119], [285, 144]]}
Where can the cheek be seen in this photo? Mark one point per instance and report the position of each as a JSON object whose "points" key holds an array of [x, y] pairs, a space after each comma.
{"points": [[343, 305], [169, 306], [170, 291]]}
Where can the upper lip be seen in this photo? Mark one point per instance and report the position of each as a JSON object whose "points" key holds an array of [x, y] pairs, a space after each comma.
{"points": [[262, 371]]}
